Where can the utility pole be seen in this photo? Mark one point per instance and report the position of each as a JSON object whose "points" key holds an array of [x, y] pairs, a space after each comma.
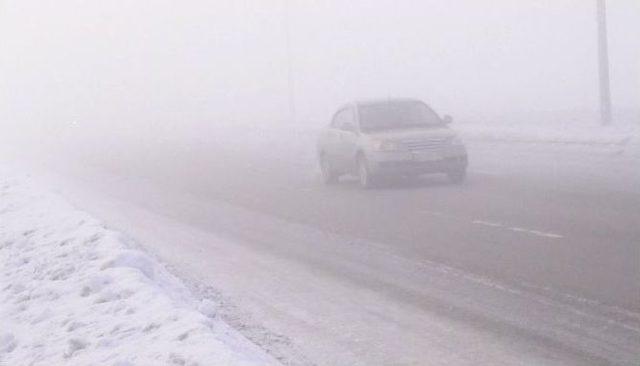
{"points": [[290, 76], [603, 61]]}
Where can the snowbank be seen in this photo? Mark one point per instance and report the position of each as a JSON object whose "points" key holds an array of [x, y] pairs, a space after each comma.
{"points": [[75, 293], [588, 135], [555, 127]]}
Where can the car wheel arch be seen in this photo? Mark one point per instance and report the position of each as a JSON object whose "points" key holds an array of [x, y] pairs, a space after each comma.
{"points": [[360, 155]]}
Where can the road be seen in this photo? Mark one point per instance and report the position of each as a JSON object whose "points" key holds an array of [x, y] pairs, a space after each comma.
{"points": [[555, 225], [565, 218]]}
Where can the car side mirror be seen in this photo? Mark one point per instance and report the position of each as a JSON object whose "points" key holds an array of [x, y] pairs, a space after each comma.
{"points": [[447, 119]]}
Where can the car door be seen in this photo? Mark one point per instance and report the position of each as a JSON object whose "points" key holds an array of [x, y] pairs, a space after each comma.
{"points": [[348, 140], [331, 139]]}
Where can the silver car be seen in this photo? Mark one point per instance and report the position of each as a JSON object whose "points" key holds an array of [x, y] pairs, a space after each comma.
{"points": [[391, 137]]}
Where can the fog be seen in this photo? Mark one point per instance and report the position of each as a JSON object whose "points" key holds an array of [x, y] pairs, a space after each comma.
{"points": [[134, 66], [192, 139]]}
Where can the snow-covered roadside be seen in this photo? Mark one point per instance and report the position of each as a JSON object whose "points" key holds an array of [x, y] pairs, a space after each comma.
{"points": [[74, 292], [622, 134], [586, 136]]}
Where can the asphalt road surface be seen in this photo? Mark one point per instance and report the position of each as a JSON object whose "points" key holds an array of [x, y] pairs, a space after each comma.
{"points": [[556, 221], [561, 217]]}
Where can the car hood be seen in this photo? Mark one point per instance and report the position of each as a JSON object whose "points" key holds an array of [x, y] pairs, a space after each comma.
{"points": [[413, 133]]}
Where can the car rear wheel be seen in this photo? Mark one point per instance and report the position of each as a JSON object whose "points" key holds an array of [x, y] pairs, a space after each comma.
{"points": [[329, 176]]}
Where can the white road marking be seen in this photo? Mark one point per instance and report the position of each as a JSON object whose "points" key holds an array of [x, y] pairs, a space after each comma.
{"points": [[487, 223], [485, 172], [546, 235], [517, 229]]}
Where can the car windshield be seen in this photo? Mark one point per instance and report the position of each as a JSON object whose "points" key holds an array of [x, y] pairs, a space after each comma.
{"points": [[397, 115]]}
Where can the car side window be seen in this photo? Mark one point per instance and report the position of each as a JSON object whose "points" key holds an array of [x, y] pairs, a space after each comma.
{"points": [[336, 122], [344, 120], [349, 121]]}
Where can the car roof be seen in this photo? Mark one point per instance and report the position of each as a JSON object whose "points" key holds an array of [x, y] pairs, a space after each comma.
{"points": [[364, 102], [385, 100]]}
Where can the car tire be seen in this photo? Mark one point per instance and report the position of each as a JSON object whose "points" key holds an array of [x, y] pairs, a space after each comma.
{"points": [[366, 180], [329, 176], [457, 176]]}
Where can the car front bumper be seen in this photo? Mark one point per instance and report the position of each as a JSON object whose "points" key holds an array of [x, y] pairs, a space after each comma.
{"points": [[407, 163]]}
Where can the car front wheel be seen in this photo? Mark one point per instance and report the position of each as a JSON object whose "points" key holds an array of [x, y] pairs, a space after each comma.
{"points": [[365, 178]]}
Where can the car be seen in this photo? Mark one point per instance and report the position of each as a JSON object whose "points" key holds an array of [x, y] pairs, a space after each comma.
{"points": [[390, 138]]}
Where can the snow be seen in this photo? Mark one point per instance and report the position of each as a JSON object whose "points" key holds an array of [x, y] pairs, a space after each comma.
{"points": [[623, 135], [588, 135], [73, 292]]}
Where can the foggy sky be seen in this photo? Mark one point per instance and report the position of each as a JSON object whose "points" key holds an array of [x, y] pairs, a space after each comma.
{"points": [[124, 64]]}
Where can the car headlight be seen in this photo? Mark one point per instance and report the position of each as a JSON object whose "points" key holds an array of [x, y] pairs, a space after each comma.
{"points": [[386, 145], [456, 140]]}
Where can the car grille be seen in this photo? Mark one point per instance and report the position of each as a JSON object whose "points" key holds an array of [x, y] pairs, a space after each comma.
{"points": [[433, 144]]}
